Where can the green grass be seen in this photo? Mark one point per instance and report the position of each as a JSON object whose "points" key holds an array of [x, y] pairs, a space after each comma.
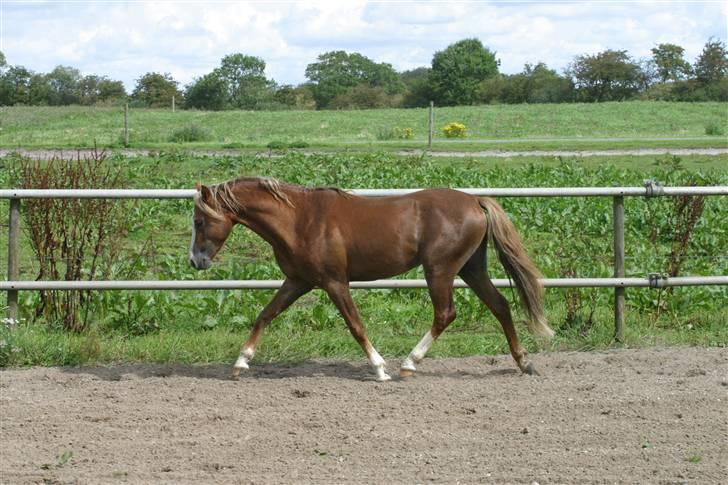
{"points": [[76, 127], [290, 340], [209, 326]]}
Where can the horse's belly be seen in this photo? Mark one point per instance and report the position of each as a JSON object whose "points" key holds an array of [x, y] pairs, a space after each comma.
{"points": [[377, 261]]}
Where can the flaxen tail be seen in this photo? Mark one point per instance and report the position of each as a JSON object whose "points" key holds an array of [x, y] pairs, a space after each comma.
{"points": [[518, 265]]}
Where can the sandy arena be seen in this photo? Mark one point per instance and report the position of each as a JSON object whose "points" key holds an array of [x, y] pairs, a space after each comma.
{"points": [[629, 416]]}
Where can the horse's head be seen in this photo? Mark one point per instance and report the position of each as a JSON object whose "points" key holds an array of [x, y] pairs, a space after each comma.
{"points": [[210, 228]]}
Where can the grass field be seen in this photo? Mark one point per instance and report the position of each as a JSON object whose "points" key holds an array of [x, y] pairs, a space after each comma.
{"points": [[566, 236], [575, 125]]}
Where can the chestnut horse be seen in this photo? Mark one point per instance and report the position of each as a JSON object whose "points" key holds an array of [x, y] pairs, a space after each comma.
{"points": [[325, 238]]}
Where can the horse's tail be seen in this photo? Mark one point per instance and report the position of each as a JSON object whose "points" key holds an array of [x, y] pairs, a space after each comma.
{"points": [[518, 265]]}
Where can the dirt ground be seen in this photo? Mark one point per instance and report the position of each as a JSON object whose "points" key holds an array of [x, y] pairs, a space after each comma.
{"points": [[628, 416]]}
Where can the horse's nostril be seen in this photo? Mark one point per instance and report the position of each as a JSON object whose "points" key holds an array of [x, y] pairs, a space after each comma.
{"points": [[192, 263]]}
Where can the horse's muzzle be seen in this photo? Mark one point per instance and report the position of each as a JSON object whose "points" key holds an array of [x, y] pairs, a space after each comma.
{"points": [[201, 262]]}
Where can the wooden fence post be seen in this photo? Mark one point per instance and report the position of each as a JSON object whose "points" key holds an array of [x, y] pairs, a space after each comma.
{"points": [[430, 129], [172, 104], [126, 125]]}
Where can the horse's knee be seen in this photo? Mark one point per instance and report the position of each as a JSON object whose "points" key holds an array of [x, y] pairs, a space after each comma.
{"points": [[444, 318]]}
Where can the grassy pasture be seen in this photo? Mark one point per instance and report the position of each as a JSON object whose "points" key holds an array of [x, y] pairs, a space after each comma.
{"points": [[574, 125], [564, 235]]}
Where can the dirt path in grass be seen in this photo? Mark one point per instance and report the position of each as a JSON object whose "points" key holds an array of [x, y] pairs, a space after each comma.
{"points": [[572, 153], [72, 154], [631, 416]]}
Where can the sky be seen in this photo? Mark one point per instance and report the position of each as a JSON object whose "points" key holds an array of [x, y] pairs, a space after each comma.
{"points": [[126, 39]]}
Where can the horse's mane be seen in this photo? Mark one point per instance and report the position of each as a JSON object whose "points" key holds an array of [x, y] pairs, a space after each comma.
{"points": [[223, 196]]}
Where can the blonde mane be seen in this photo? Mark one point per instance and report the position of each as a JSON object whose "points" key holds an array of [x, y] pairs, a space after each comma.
{"points": [[222, 196]]}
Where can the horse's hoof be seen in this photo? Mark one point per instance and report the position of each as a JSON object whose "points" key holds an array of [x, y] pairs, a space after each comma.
{"points": [[384, 377], [236, 373], [531, 370], [405, 373]]}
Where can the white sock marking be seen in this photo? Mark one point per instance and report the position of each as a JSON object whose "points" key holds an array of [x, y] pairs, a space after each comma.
{"points": [[244, 358], [378, 363], [418, 353]]}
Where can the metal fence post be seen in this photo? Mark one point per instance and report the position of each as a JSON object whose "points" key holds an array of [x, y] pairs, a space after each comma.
{"points": [[618, 210], [13, 256]]}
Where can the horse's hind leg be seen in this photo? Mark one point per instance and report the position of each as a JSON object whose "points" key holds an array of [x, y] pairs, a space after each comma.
{"points": [[440, 287], [474, 274]]}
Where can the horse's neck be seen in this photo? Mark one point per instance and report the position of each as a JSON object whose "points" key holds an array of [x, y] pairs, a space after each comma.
{"points": [[270, 218]]}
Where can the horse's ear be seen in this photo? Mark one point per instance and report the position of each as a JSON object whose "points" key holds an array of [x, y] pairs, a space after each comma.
{"points": [[205, 192]]}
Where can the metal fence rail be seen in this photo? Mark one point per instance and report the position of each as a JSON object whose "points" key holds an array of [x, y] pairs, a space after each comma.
{"points": [[648, 190], [618, 282], [660, 282]]}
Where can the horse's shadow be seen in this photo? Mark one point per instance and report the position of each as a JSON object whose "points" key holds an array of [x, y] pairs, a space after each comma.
{"points": [[268, 371]]}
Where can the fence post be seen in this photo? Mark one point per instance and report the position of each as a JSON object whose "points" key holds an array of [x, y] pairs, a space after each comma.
{"points": [[126, 125], [172, 104], [13, 256], [618, 221], [430, 128]]}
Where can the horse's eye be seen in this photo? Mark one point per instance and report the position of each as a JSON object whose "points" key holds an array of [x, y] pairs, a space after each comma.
{"points": [[198, 224]]}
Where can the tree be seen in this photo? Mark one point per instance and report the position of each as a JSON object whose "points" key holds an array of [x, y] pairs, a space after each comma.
{"points": [[155, 90], [64, 82], [337, 71], [669, 62], [712, 64], [40, 91], [208, 92], [417, 87], [298, 97], [244, 76], [459, 69], [535, 84], [100, 89], [15, 86], [110, 90], [364, 96], [606, 76]]}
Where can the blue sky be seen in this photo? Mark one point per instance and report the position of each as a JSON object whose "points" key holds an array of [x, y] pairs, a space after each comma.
{"points": [[125, 39]]}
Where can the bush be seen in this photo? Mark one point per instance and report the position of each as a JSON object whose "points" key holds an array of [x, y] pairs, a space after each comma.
{"points": [[73, 239], [298, 144], [395, 133], [713, 128], [276, 145], [190, 133], [454, 130]]}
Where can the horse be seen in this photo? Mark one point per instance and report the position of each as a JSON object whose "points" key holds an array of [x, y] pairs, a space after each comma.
{"points": [[326, 237]]}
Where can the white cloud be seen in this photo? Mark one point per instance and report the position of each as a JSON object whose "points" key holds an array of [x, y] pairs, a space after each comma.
{"points": [[126, 39]]}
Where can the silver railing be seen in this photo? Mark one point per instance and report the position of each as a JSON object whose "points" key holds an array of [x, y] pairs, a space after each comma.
{"points": [[618, 282]]}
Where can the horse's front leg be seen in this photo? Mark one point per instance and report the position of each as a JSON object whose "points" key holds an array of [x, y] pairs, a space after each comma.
{"points": [[341, 296], [289, 292]]}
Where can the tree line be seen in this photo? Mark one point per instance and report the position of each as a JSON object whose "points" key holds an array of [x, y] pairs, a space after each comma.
{"points": [[464, 73]]}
